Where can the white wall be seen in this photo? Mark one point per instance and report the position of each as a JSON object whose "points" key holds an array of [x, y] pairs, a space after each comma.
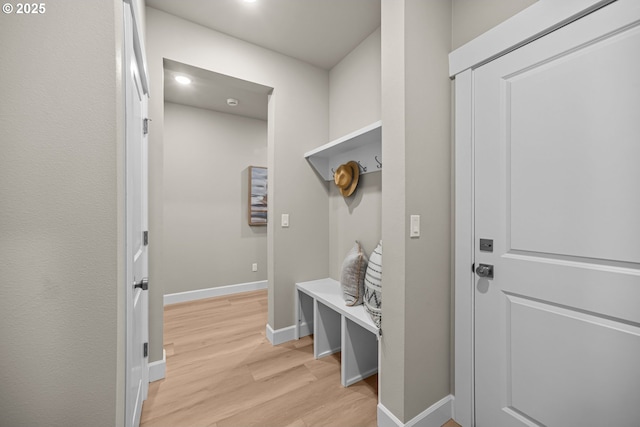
{"points": [[298, 122], [61, 275], [207, 239], [354, 102], [415, 350], [470, 18], [354, 88]]}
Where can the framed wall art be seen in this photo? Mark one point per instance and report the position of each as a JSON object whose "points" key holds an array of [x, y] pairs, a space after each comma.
{"points": [[257, 195]]}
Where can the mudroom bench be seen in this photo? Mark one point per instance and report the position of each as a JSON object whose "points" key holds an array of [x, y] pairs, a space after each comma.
{"points": [[336, 327]]}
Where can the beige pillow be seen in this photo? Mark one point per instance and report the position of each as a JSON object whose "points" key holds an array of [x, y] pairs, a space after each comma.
{"points": [[373, 286], [352, 275]]}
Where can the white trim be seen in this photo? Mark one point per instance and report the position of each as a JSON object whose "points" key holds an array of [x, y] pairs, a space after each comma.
{"points": [[464, 254], [532, 23], [280, 336], [138, 44], [158, 369], [434, 416], [352, 137], [386, 418], [214, 292]]}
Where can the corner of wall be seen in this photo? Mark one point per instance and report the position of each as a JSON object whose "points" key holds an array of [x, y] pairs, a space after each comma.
{"points": [[355, 102], [416, 138]]}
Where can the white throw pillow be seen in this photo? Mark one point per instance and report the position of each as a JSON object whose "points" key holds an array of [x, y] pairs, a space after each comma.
{"points": [[373, 286], [352, 275]]}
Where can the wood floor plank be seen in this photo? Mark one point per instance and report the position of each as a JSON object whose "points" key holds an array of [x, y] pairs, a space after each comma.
{"points": [[297, 423], [269, 366], [207, 406], [324, 366], [349, 410], [281, 410], [222, 372]]}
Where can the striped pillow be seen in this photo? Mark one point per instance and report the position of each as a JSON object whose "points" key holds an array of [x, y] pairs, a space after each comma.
{"points": [[373, 286], [352, 275]]}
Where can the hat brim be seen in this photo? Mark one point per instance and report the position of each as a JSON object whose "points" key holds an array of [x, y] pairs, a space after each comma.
{"points": [[355, 173]]}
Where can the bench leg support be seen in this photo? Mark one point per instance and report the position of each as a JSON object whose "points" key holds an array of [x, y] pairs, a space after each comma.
{"points": [[326, 339], [359, 353]]}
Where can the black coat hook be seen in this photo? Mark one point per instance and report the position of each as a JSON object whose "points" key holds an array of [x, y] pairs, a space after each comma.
{"points": [[379, 165]]}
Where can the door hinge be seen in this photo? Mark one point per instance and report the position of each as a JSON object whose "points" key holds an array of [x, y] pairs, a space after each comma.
{"points": [[145, 238], [145, 126], [145, 349]]}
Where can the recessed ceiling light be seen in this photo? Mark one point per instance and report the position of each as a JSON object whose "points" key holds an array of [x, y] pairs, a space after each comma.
{"points": [[183, 80], [232, 102], [249, 1]]}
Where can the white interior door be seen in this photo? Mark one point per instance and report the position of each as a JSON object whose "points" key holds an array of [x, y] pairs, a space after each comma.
{"points": [[137, 380], [557, 189]]}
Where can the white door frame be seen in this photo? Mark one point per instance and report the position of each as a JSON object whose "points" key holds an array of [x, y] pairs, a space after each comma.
{"points": [[138, 44], [532, 23]]}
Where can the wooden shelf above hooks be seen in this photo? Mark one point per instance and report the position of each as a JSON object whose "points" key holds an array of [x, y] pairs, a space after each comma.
{"points": [[363, 146]]}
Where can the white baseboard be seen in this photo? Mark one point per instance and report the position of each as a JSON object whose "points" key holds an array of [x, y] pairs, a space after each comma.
{"points": [[213, 292], [434, 416], [281, 335], [158, 369]]}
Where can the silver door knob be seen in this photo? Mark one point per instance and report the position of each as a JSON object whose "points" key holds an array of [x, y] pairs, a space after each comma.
{"points": [[485, 270]]}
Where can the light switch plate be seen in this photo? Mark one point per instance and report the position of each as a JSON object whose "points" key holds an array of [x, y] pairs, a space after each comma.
{"points": [[285, 220], [254, 266], [414, 230]]}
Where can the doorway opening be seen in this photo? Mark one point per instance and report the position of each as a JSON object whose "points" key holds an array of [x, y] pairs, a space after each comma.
{"points": [[214, 135]]}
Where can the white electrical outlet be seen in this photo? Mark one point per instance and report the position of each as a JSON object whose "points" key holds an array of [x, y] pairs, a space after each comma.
{"points": [[254, 266], [285, 220]]}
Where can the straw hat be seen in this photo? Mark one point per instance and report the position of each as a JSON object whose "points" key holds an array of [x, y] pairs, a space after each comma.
{"points": [[346, 178]]}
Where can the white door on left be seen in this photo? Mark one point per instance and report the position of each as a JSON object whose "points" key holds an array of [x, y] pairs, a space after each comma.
{"points": [[137, 381]]}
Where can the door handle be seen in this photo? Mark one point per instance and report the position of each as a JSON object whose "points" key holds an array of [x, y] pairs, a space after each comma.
{"points": [[485, 270], [142, 284]]}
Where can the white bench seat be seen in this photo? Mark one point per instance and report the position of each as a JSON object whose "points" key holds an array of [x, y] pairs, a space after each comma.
{"points": [[336, 327]]}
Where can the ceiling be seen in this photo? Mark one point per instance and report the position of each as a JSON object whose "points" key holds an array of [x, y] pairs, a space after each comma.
{"points": [[211, 90], [320, 32]]}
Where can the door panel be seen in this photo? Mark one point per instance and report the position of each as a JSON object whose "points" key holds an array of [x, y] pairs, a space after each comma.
{"points": [[557, 142], [589, 352], [574, 151]]}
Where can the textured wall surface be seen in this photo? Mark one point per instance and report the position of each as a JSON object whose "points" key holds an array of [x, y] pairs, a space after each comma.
{"points": [[59, 216], [470, 18]]}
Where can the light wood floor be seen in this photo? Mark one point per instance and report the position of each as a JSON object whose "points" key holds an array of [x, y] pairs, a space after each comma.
{"points": [[222, 371]]}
